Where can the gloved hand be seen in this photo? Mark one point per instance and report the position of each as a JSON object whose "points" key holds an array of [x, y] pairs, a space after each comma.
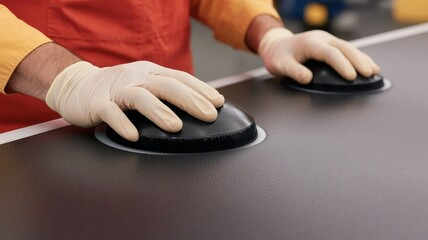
{"points": [[283, 52], [86, 95]]}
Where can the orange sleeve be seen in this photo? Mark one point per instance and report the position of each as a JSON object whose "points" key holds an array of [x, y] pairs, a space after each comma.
{"points": [[230, 19], [410, 11], [17, 40]]}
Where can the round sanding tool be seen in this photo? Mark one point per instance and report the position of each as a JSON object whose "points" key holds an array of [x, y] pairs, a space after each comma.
{"points": [[327, 81], [232, 128]]}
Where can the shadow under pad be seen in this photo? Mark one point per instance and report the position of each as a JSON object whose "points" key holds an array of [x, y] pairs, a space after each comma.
{"points": [[233, 128]]}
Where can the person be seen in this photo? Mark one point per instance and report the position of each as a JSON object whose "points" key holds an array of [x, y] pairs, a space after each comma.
{"points": [[89, 60]]}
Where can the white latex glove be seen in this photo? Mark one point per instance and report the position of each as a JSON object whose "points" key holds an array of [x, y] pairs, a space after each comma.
{"points": [[283, 52], [86, 95]]}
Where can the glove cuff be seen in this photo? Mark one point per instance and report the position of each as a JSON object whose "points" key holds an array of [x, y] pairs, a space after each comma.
{"points": [[65, 82], [272, 36]]}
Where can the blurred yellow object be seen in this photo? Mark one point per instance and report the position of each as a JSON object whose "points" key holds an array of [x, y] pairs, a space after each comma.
{"points": [[411, 11], [316, 14]]}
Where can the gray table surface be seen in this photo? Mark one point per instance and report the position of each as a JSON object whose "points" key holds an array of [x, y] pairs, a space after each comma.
{"points": [[332, 167]]}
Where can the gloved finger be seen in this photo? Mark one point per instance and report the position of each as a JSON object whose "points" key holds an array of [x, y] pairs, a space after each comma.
{"points": [[151, 107], [295, 70], [183, 97], [111, 114], [197, 85], [373, 65], [355, 56], [337, 60]]}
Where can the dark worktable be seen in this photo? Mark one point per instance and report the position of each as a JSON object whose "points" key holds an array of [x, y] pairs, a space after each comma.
{"points": [[331, 167]]}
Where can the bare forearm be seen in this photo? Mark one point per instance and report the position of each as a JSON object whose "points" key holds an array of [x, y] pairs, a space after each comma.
{"points": [[258, 27], [35, 73]]}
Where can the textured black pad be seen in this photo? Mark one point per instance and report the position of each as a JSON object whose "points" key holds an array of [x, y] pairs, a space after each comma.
{"points": [[233, 128], [326, 79]]}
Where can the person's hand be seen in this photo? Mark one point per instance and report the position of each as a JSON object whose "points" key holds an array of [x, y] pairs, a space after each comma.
{"points": [[283, 54], [86, 95]]}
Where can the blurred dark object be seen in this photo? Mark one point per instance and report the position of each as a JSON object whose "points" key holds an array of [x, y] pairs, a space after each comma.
{"points": [[346, 19], [318, 14]]}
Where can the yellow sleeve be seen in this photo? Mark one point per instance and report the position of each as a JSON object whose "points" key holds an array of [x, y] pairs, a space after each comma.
{"points": [[230, 19], [17, 40]]}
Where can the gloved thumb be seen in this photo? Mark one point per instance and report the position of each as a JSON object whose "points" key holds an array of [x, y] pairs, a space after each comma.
{"points": [[295, 70], [111, 114]]}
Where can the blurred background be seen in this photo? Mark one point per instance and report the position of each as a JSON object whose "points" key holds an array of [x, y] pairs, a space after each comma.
{"points": [[346, 19]]}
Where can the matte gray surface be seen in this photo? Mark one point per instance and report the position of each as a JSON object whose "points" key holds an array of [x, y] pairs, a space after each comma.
{"points": [[332, 167]]}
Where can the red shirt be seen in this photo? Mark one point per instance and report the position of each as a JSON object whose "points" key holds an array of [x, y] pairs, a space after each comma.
{"points": [[111, 32], [105, 33]]}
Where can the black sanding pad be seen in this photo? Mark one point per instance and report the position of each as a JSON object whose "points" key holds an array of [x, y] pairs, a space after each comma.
{"points": [[232, 128], [327, 80]]}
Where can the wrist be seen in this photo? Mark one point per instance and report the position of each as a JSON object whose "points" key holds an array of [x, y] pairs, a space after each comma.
{"points": [[258, 28], [36, 72]]}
